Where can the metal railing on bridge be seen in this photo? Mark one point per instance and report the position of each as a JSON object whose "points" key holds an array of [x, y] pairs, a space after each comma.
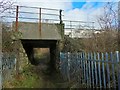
{"points": [[33, 14], [44, 15]]}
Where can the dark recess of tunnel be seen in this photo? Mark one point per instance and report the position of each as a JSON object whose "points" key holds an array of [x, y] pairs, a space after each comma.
{"points": [[28, 45]]}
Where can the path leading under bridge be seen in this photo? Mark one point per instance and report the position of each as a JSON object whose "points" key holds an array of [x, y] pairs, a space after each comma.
{"points": [[41, 28], [39, 34]]}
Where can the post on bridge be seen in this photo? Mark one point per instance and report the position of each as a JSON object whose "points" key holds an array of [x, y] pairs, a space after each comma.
{"points": [[40, 20], [17, 42], [16, 23]]}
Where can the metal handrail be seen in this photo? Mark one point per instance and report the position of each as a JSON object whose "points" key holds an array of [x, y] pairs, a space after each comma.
{"points": [[41, 8], [77, 21], [30, 18]]}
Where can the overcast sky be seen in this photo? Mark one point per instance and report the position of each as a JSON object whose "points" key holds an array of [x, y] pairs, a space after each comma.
{"points": [[80, 10]]}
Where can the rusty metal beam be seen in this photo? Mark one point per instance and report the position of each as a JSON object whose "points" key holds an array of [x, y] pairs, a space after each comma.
{"points": [[16, 25], [40, 21]]}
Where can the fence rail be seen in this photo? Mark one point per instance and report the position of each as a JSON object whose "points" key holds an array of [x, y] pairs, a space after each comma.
{"points": [[91, 70]]}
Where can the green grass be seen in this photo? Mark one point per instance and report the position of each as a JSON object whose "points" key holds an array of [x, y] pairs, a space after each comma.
{"points": [[32, 77], [26, 79]]}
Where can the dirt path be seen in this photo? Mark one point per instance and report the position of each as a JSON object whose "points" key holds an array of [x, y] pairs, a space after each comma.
{"points": [[49, 79]]}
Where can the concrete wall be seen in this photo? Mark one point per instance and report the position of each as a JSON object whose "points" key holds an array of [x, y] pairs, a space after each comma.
{"points": [[31, 30]]}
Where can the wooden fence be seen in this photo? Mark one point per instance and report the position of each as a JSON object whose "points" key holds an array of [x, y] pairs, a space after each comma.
{"points": [[91, 70]]}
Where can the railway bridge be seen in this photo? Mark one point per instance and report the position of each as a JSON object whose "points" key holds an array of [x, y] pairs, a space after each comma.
{"points": [[39, 29], [42, 28]]}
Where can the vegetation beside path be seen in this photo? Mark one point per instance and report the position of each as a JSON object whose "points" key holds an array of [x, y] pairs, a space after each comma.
{"points": [[37, 77]]}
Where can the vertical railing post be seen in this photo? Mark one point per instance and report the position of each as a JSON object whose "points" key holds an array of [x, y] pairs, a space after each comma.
{"points": [[103, 70], [89, 66], [71, 28], [68, 68], [61, 24], [108, 71], [16, 24], [1, 70], [83, 54], [87, 69], [99, 70], [81, 58], [113, 69], [60, 17], [0, 55], [40, 16], [92, 66], [79, 69], [96, 78], [118, 67]]}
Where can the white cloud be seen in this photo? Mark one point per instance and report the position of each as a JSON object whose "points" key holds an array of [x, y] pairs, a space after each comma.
{"points": [[56, 4], [88, 13]]}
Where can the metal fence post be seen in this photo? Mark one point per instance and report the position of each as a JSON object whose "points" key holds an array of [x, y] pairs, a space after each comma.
{"points": [[108, 71], [0, 70], [68, 69], [103, 70], [96, 78], [92, 65], [99, 70], [0, 55], [87, 71], [82, 69], [89, 66], [118, 67], [113, 70], [83, 56]]}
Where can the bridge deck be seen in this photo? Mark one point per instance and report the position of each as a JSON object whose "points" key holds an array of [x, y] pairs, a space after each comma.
{"points": [[49, 31]]}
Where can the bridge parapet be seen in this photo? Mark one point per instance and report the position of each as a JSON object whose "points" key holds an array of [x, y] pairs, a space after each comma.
{"points": [[37, 23], [48, 31]]}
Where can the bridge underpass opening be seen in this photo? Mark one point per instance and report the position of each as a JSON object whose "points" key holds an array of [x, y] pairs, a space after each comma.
{"points": [[30, 47], [42, 55]]}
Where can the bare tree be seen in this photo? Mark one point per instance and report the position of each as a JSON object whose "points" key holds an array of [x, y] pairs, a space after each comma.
{"points": [[107, 39], [5, 5], [109, 23], [108, 20]]}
